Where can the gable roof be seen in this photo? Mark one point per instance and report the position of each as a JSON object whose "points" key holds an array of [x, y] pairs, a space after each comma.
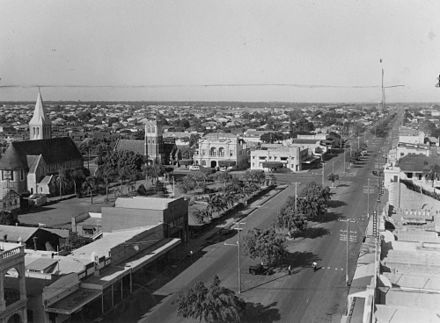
{"points": [[53, 151], [32, 162], [136, 146], [17, 233]]}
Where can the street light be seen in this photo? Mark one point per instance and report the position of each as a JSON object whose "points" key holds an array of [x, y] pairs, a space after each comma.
{"points": [[237, 244]]}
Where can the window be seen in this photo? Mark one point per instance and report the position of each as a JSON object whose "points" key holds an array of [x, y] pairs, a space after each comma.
{"points": [[21, 175], [253, 157], [7, 175]]}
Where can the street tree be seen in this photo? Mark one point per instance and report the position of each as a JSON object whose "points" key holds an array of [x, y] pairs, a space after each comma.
{"points": [[313, 201], [266, 245], [212, 303], [254, 176], [290, 218]]}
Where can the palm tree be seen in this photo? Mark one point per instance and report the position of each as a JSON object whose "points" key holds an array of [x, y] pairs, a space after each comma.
{"points": [[432, 173], [90, 184], [77, 176], [212, 303], [62, 180]]}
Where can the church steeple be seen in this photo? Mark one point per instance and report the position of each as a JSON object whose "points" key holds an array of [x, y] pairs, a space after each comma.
{"points": [[40, 126]]}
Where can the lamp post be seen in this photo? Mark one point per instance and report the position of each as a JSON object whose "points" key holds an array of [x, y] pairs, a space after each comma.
{"points": [[237, 244]]}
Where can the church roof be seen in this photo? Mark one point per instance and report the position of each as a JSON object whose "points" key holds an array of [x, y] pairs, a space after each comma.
{"points": [[136, 146], [54, 150], [39, 116]]}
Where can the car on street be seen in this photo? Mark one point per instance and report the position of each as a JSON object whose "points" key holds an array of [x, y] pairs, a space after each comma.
{"points": [[194, 167], [38, 199]]}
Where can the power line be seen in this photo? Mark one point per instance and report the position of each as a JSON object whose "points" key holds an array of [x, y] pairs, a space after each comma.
{"points": [[134, 86]]}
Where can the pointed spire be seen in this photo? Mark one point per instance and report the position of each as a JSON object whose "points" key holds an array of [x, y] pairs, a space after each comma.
{"points": [[39, 116]]}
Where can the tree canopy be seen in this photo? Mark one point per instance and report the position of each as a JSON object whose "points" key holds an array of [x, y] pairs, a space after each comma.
{"points": [[290, 218], [266, 245], [313, 201], [212, 303], [271, 137]]}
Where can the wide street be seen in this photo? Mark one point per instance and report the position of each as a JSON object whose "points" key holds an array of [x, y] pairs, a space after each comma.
{"points": [[304, 296]]}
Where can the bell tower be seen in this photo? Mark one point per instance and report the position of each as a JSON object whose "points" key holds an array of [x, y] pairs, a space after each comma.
{"points": [[40, 126], [153, 142]]}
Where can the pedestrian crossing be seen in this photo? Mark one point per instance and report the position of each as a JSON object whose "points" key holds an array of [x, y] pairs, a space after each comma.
{"points": [[332, 268]]}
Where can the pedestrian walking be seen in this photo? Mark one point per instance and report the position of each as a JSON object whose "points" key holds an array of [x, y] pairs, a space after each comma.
{"points": [[289, 270]]}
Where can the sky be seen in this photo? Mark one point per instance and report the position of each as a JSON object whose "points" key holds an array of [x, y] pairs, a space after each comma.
{"points": [[176, 48]]}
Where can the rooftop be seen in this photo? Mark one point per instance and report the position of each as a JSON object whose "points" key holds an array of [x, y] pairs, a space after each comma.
{"points": [[109, 240], [142, 202]]}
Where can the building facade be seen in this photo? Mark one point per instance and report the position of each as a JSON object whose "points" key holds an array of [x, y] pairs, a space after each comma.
{"points": [[221, 149], [12, 285], [278, 157]]}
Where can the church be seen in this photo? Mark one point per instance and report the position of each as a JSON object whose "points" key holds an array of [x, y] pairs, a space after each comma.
{"points": [[31, 166]]}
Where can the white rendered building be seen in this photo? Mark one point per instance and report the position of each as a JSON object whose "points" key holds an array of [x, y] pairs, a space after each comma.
{"points": [[289, 157], [217, 148]]}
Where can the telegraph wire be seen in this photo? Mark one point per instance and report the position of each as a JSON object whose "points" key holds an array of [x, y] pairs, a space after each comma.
{"points": [[135, 86]]}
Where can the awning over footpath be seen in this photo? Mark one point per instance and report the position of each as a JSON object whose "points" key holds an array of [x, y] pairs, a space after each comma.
{"points": [[150, 255], [74, 301], [115, 272]]}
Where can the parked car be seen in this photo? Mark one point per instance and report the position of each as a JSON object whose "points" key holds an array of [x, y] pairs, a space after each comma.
{"points": [[194, 167], [38, 199], [260, 270]]}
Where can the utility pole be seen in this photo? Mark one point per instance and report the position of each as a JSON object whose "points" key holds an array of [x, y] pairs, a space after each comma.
{"points": [[323, 171], [344, 160], [368, 199], [296, 194], [237, 244], [345, 236]]}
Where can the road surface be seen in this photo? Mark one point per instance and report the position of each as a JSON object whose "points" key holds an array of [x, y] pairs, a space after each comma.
{"points": [[304, 296]]}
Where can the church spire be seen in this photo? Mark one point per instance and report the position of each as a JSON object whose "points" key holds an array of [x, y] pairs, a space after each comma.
{"points": [[40, 125]]}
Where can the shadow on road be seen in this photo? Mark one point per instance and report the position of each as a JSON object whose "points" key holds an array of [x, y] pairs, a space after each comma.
{"points": [[300, 259], [312, 233], [220, 236], [133, 309], [257, 312], [336, 203], [329, 217]]}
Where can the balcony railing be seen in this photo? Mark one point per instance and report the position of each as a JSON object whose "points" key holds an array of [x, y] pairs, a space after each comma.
{"points": [[11, 252]]}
